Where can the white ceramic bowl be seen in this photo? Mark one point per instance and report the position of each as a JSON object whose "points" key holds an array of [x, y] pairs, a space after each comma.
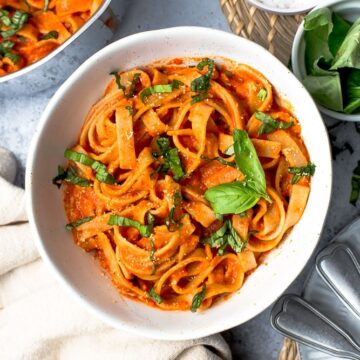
{"points": [[278, 8], [59, 128], [350, 10], [60, 63]]}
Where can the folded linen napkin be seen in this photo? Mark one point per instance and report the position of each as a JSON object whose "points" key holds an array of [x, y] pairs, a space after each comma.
{"points": [[38, 320]]}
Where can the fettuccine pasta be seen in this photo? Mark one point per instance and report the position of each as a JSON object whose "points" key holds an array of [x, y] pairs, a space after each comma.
{"points": [[31, 29], [184, 175]]}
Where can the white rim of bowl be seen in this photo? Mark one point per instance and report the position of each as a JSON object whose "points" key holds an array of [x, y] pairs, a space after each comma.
{"points": [[283, 11], [82, 301], [52, 54], [298, 39]]}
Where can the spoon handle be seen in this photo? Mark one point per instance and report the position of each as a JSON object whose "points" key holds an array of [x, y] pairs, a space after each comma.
{"points": [[339, 267], [294, 317]]}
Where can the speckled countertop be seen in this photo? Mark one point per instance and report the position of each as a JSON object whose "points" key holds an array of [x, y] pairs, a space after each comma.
{"points": [[19, 115]]}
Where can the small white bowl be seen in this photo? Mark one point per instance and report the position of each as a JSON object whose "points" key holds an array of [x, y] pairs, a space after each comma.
{"points": [[350, 10], [59, 128], [299, 8]]}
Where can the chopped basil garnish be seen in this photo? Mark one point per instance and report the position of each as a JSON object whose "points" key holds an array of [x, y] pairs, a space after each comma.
{"points": [[152, 252], [5, 51], [130, 109], [269, 124], [144, 230], [13, 57], [101, 173], [132, 86], [13, 24], [70, 176], [225, 236], [158, 89], [355, 185], [198, 97], [79, 222], [299, 172], [171, 222], [50, 35], [201, 85], [171, 158], [262, 94], [153, 295], [118, 81], [198, 299]]}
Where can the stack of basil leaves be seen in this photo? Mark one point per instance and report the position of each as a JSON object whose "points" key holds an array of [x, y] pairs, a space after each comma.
{"points": [[239, 196], [332, 58]]}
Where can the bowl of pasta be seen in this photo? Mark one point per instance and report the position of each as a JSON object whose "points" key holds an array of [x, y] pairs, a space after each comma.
{"points": [[193, 167], [34, 32]]}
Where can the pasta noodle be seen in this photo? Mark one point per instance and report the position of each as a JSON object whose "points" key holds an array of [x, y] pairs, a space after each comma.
{"points": [[185, 174], [31, 29]]}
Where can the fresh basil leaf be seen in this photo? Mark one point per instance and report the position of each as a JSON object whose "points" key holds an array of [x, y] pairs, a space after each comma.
{"points": [[325, 89], [70, 176], [132, 86], [158, 89], [355, 185], [144, 230], [101, 173], [198, 97], [118, 81], [50, 35], [171, 222], [349, 53], [225, 236], [338, 33], [79, 222], [317, 25], [6, 46], [352, 91], [171, 158], [232, 198], [17, 21], [270, 124], [249, 164], [299, 172], [353, 105], [130, 109], [153, 295], [202, 83], [152, 252], [234, 239], [262, 94], [13, 57], [198, 299]]}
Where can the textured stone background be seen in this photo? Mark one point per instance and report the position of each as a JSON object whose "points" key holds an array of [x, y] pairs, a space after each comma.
{"points": [[20, 112]]}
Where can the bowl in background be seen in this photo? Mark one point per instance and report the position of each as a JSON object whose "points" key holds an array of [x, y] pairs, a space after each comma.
{"points": [[298, 8], [350, 10], [59, 128], [60, 63]]}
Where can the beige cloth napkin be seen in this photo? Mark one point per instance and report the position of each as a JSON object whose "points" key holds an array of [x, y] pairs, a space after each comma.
{"points": [[38, 319]]}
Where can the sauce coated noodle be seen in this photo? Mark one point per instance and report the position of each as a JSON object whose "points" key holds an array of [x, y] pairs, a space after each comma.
{"points": [[162, 147]]}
